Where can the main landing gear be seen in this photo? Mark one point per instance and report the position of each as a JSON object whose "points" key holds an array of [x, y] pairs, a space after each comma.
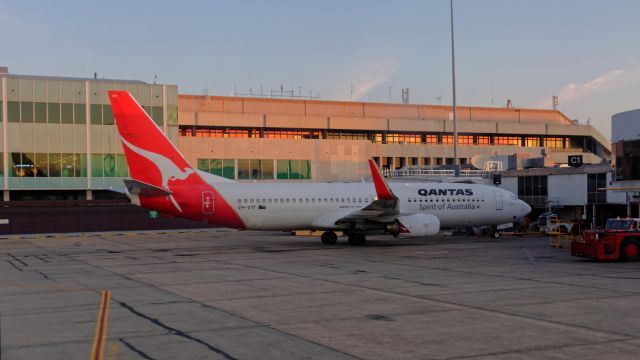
{"points": [[357, 239], [329, 238], [494, 233], [354, 239]]}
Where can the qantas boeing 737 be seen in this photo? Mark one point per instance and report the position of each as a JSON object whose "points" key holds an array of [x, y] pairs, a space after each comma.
{"points": [[162, 180]]}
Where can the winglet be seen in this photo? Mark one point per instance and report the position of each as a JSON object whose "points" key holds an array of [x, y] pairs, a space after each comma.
{"points": [[382, 188]]}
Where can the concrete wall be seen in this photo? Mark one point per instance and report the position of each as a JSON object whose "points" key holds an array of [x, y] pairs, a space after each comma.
{"points": [[570, 189]]}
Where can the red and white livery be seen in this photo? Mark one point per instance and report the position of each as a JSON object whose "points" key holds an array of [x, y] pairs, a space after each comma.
{"points": [[162, 180]]}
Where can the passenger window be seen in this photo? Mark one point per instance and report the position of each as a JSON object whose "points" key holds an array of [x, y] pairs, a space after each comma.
{"points": [[269, 201], [287, 201]]}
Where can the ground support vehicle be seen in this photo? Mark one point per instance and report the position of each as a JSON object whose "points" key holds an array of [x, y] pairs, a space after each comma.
{"points": [[619, 240]]}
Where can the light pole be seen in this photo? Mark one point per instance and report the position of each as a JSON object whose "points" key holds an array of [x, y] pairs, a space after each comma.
{"points": [[456, 164]]}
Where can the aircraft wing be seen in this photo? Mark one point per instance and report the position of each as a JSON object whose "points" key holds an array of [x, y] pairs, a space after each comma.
{"points": [[385, 204]]}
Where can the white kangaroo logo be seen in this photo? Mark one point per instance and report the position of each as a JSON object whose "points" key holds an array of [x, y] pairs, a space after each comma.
{"points": [[168, 169]]}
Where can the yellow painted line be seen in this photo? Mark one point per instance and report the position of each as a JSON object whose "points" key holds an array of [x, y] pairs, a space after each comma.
{"points": [[97, 350]]}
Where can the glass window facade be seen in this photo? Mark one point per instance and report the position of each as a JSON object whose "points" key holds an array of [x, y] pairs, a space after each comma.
{"points": [[257, 169], [47, 165], [530, 141], [346, 135], [595, 182], [398, 138], [627, 159], [291, 134], [533, 189], [483, 140], [554, 142], [220, 167], [465, 139], [507, 140], [51, 144]]}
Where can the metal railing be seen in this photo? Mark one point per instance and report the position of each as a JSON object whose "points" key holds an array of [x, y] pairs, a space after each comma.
{"points": [[431, 174]]}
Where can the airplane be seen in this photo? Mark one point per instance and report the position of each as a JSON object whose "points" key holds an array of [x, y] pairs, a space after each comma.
{"points": [[162, 180]]}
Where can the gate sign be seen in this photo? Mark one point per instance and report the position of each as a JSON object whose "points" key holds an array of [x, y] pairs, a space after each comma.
{"points": [[574, 160], [207, 202]]}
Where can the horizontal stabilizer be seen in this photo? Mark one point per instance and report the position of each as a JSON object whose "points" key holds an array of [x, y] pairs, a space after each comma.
{"points": [[136, 187]]}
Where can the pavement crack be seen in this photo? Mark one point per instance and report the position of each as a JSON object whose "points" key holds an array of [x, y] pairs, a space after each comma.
{"points": [[14, 265], [16, 259], [43, 275], [175, 331], [130, 346]]}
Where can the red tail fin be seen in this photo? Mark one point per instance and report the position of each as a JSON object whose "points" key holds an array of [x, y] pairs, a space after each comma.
{"points": [[144, 142], [382, 188], [155, 163]]}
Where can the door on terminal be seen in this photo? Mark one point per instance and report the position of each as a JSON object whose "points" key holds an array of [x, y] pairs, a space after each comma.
{"points": [[499, 200]]}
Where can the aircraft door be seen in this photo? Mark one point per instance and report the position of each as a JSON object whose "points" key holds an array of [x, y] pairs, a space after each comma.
{"points": [[499, 200], [207, 202]]}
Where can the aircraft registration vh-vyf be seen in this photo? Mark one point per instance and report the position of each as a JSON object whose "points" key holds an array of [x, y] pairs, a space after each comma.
{"points": [[162, 180]]}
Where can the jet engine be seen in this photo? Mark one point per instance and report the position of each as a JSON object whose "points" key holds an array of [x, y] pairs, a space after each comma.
{"points": [[414, 225]]}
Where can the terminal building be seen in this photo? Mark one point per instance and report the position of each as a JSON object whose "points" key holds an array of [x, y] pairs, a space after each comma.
{"points": [[59, 141], [58, 135], [281, 139]]}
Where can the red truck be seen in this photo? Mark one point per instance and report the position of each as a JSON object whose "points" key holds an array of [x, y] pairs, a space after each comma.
{"points": [[619, 240]]}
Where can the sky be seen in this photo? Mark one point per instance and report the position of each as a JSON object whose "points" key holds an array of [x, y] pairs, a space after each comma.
{"points": [[585, 51]]}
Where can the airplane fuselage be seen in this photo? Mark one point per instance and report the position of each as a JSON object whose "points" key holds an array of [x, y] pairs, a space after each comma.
{"points": [[290, 206]]}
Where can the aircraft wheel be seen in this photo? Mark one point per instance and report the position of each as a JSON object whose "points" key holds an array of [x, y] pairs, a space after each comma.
{"points": [[629, 250], [357, 240], [494, 233], [329, 238]]}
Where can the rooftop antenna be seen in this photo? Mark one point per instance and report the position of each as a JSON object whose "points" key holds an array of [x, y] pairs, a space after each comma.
{"points": [[405, 95], [439, 98], [95, 75], [155, 77], [351, 92], [554, 102]]}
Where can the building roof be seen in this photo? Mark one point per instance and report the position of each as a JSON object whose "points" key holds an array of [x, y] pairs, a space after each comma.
{"points": [[43, 77], [232, 104]]}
